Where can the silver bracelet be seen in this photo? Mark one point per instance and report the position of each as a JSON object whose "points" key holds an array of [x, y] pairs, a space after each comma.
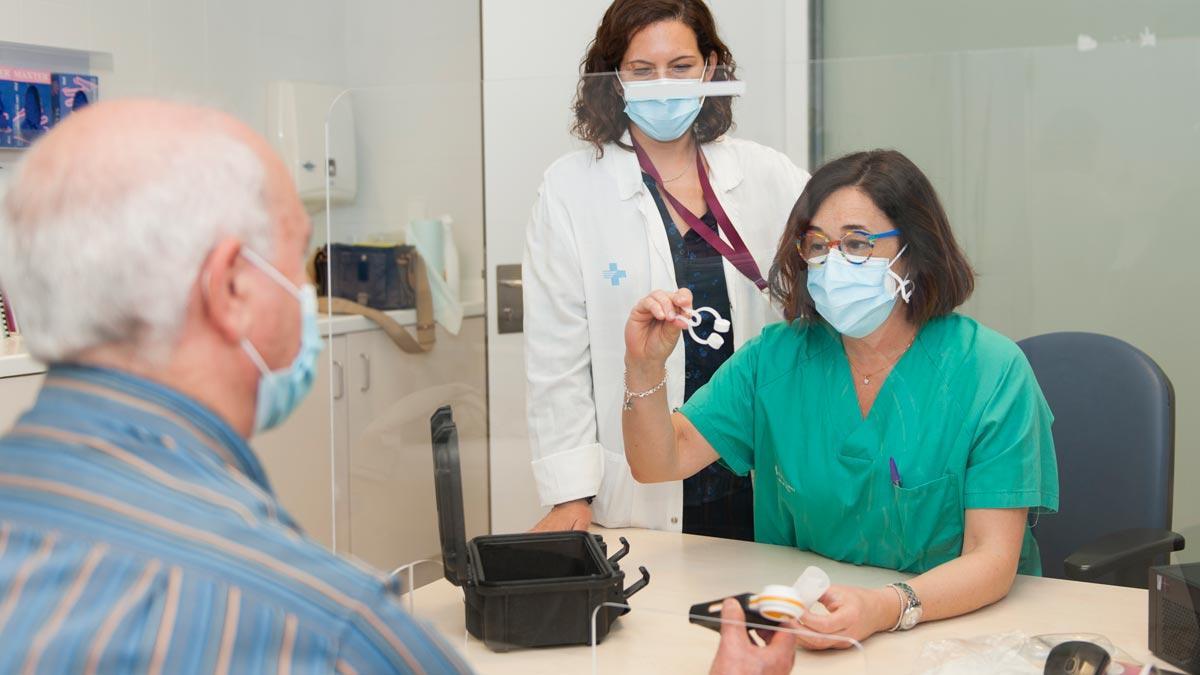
{"points": [[630, 396], [903, 606]]}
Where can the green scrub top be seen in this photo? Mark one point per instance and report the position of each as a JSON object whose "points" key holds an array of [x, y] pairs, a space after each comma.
{"points": [[961, 414]]}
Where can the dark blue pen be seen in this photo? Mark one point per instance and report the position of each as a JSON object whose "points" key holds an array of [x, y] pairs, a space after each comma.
{"points": [[895, 472]]}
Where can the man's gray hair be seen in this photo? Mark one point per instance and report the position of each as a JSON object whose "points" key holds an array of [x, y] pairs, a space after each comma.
{"points": [[90, 260]]}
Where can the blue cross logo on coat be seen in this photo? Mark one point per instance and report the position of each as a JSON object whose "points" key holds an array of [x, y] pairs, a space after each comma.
{"points": [[615, 274]]}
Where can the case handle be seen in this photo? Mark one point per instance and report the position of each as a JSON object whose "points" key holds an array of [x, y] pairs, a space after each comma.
{"points": [[637, 585], [620, 554]]}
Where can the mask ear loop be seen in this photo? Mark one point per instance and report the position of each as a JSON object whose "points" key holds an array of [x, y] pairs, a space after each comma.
{"points": [[904, 286], [246, 345]]}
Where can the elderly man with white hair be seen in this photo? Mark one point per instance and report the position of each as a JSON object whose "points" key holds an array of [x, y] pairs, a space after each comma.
{"points": [[155, 253]]}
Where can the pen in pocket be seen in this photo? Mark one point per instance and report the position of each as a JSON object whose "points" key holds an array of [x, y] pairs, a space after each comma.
{"points": [[895, 472]]}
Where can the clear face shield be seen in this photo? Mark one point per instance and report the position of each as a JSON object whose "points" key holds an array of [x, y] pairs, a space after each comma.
{"points": [[642, 80], [665, 101]]}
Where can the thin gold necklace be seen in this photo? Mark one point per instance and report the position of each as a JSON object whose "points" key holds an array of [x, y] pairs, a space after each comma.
{"points": [[866, 379], [672, 180]]}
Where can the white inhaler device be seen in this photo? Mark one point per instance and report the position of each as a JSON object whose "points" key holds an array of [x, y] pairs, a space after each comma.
{"points": [[720, 325], [778, 602]]}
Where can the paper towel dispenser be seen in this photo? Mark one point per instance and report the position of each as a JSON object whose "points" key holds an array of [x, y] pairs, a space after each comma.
{"points": [[297, 113]]}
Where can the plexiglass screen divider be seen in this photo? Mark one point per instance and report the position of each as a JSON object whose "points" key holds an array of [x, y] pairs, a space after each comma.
{"points": [[1068, 174], [415, 192]]}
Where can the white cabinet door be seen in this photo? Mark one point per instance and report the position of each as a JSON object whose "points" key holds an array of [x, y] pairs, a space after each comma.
{"points": [[393, 512], [17, 395], [301, 455]]}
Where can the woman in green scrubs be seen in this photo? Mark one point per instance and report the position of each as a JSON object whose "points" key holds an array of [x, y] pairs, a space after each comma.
{"points": [[881, 427]]}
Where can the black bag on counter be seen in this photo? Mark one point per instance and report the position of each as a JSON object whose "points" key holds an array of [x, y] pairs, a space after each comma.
{"points": [[379, 277]]}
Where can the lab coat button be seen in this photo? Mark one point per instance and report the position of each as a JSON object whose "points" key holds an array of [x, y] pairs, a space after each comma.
{"points": [[674, 520]]}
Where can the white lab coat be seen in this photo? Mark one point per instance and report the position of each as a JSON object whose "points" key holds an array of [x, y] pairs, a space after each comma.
{"points": [[596, 245]]}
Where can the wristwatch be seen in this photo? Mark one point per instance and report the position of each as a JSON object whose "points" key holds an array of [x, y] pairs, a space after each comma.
{"points": [[910, 607]]}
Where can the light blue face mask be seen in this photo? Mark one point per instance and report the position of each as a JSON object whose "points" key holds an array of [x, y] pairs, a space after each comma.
{"points": [[664, 119], [856, 299], [280, 391]]}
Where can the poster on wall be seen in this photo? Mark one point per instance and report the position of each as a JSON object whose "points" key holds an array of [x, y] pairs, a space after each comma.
{"points": [[71, 93], [32, 101], [26, 97]]}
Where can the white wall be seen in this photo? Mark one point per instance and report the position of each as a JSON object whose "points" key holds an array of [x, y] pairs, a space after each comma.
{"points": [[419, 147], [529, 82], [220, 52], [414, 69]]}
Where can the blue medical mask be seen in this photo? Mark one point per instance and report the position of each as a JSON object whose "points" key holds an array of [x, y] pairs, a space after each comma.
{"points": [[280, 391], [664, 119], [856, 299]]}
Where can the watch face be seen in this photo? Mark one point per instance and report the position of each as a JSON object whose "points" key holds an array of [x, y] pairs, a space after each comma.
{"points": [[911, 617]]}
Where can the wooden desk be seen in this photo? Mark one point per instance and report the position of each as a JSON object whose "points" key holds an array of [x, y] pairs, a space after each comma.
{"points": [[687, 569]]}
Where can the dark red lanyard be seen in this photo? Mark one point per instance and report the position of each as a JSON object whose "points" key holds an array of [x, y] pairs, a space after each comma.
{"points": [[737, 254]]}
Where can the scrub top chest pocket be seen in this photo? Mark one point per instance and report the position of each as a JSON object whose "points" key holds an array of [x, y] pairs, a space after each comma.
{"points": [[849, 509], [930, 518]]}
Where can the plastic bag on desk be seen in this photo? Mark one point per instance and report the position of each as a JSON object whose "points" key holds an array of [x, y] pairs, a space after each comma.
{"points": [[1013, 653], [1000, 654]]}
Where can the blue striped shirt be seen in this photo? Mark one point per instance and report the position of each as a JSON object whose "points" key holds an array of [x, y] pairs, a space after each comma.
{"points": [[138, 533]]}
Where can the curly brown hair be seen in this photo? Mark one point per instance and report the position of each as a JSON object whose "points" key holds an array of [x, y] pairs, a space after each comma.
{"points": [[599, 105], [943, 279]]}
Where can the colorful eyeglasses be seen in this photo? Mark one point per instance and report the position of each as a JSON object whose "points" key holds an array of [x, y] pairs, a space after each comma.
{"points": [[856, 247]]}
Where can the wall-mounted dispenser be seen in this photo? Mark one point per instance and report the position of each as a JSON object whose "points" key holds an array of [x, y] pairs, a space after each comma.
{"points": [[296, 117]]}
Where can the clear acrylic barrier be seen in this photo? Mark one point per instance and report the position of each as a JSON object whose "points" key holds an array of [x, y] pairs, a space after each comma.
{"points": [[1066, 172], [403, 580], [416, 151]]}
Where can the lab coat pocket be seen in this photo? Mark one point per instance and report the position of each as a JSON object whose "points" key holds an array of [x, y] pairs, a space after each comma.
{"points": [[931, 523]]}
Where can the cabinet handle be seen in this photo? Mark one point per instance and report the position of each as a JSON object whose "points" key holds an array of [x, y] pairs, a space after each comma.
{"points": [[366, 373], [340, 379]]}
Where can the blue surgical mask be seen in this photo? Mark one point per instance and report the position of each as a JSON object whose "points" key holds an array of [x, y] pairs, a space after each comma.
{"points": [[664, 119], [280, 391], [856, 299]]}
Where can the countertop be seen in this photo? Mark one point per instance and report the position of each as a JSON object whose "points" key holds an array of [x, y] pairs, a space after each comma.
{"points": [[655, 637], [16, 361]]}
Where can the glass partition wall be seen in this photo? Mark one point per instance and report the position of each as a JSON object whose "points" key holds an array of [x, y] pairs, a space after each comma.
{"points": [[418, 194], [1065, 145], [388, 156]]}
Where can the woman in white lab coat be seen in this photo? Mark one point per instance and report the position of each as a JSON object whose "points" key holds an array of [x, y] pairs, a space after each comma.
{"points": [[623, 218]]}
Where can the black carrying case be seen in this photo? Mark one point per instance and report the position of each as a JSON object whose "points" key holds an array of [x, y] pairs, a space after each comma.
{"points": [[524, 590], [379, 277]]}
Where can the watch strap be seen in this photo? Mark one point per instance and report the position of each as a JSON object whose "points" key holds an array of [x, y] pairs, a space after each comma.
{"points": [[908, 601]]}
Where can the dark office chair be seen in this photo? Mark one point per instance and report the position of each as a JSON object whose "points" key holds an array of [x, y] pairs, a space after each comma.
{"points": [[1114, 432]]}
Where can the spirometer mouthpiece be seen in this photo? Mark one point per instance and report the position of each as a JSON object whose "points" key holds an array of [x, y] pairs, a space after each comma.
{"points": [[779, 603], [811, 585]]}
